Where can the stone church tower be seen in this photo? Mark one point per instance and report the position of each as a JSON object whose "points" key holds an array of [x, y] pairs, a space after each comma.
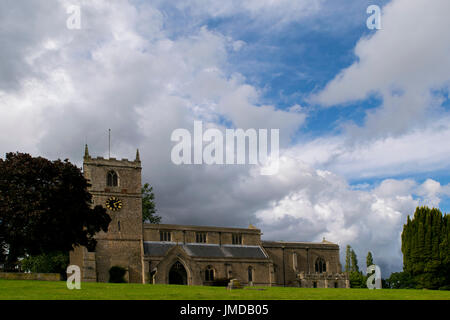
{"points": [[192, 255], [116, 185]]}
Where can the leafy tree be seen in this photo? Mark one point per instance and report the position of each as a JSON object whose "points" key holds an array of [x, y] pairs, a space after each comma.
{"points": [[45, 207], [357, 280], [425, 248], [3, 249], [148, 205], [55, 262], [399, 280]]}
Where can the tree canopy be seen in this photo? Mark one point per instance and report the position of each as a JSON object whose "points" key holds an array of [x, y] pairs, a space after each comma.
{"points": [[45, 207], [425, 248], [357, 279], [148, 205]]}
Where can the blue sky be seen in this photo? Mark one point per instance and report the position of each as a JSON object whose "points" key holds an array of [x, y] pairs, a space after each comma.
{"points": [[292, 60]]}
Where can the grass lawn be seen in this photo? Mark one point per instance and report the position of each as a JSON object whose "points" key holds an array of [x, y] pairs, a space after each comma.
{"points": [[48, 290]]}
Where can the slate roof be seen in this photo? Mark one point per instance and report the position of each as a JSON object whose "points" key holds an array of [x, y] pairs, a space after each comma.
{"points": [[155, 248]]}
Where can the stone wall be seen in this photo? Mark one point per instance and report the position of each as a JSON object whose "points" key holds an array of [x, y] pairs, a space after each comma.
{"points": [[323, 280], [214, 235], [291, 258], [123, 253], [223, 269], [30, 276], [86, 261], [121, 245]]}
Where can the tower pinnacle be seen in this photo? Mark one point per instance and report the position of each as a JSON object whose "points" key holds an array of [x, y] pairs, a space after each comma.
{"points": [[86, 152], [138, 159]]}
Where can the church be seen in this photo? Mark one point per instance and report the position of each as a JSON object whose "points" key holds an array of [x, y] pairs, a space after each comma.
{"points": [[191, 255]]}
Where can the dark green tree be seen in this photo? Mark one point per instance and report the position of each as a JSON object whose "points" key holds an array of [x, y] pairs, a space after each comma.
{"points": [[399, 280], [354, 261], [357, 280], [45, 207], [148, 205], [55, 262], [369, 259], [425, 248], [369, 262], [348, 261]]}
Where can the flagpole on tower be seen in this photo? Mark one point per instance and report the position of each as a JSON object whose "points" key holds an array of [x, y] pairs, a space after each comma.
{"points": [[109, 143]]}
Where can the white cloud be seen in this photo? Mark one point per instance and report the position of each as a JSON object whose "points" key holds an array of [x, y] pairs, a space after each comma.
{"points": [[237, 45], [402, 62], [110, 70], [322, 204], [110, 75], [419, 151]]}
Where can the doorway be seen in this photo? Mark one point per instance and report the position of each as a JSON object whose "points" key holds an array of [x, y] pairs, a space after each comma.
{"points": [[177, 274]]}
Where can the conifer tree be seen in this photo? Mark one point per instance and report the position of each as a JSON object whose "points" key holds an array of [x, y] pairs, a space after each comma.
{"points": [[348, 263], [425, 248], [354, 261], [369, 259]]}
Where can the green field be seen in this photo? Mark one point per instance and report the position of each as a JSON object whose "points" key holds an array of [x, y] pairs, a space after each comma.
{"points": [[47, 290]]}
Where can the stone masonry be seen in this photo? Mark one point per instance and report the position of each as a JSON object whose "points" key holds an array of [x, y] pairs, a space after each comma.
{"points": [[192, 255]]}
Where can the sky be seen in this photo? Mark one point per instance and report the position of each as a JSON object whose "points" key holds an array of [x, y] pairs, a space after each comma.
{"points": [[363, 114]]}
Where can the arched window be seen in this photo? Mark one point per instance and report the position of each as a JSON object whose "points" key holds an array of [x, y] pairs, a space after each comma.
{"points": [[209, 274], [321, 265], [111, 179], [250, 274]]}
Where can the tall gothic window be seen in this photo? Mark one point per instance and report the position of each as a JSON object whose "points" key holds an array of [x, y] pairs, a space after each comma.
{"points": [[209, 274], [250, 274], [321, 265], [111, 179]]}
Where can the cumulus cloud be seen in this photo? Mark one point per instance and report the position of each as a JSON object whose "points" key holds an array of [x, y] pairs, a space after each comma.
{"points": [[322, 204], [403, 63], [110, 74], [418, 151]]}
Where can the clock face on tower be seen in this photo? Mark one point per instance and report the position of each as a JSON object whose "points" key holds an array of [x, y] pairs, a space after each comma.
{"points": [[113, 204]]}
